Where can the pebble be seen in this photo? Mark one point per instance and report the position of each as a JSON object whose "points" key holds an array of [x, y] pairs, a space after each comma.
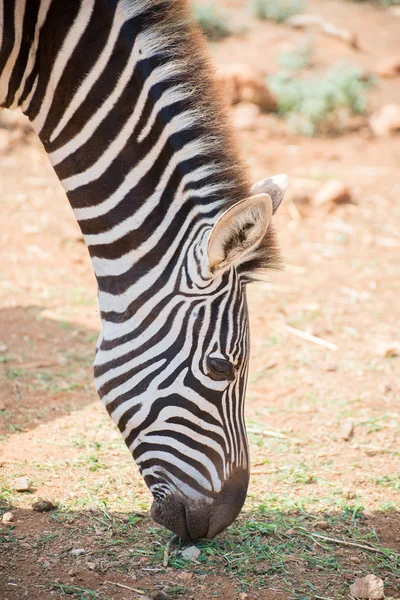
{"points": [[78, 551], [242, 83], [332, 192], [389, 349], [346, 430], [388, 66], [368, 588], [43, 505], [161, 596], [22, 484], [322, 525], [192, 553], [385, 120], [8, 517]]}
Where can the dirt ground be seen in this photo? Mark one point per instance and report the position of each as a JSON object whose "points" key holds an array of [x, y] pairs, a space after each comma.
{"points": [[341, 283]]}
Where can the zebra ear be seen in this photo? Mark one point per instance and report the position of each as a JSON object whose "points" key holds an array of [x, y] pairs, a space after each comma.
{"points": [[238, 231], [274, 186]]}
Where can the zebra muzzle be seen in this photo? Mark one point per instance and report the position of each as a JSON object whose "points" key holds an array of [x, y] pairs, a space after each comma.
{"points": [[194, 520]]}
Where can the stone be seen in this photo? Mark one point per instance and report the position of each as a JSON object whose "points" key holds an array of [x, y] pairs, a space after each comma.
{"points": [[192, 553], [78, 551], [388, 67], [389, 349], [245, 116], [42, 505], [161, 596], [8, 517], [368, 588], [346, 430], [22, 484], [385, 120], [242, 83], [332, 192]]}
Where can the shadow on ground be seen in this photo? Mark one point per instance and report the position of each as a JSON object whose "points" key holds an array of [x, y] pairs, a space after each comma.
{"points": [[45, 368]]}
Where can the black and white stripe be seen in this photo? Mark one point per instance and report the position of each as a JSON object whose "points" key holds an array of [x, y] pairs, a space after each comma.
{"points": [[118, 91]]}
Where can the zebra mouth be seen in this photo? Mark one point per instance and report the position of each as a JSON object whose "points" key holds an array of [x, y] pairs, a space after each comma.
{"points": [[203, 519]]}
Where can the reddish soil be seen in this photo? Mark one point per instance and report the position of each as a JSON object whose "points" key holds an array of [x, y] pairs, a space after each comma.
{"points": [[341, 283]]}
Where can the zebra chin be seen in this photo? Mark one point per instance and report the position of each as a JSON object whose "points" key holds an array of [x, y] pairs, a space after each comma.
{"points": [[202, 519]]}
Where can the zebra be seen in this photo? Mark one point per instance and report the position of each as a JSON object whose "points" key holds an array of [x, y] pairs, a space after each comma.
{"points": [[122, 96]]}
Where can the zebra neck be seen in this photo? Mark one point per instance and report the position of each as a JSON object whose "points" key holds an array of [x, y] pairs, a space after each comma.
{"points": [[123, 99]]}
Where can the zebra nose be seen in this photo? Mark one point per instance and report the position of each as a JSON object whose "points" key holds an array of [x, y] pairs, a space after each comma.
{"points": [[204, 519], [228, 503]]}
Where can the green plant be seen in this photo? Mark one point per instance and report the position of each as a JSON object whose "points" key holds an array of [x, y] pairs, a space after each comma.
{"points": [[276, 10], [298, 58], [315, 106], [211, 21]]}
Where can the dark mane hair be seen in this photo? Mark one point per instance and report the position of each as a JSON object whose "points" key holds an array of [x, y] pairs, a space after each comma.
{"points": [[171, 22]]}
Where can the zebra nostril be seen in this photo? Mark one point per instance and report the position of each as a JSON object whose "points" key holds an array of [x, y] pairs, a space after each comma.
{"points": [[220, 369], [203, 519]]}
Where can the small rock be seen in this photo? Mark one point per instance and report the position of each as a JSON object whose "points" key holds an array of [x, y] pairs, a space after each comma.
{"points": [[161, 596], [93, 508], [243, 596], [143, 598], [8, 517], [91, 565], [346, 430], [349, 494], [192, 553], [78, 551], [388, 67], [333, 192], [355, 560], [186, 577], [22, 484], [72, 572], [2, 404], [369, 587], [368, 514], [389, 350], [322, 525], [43, 505], [242, 83], [245, 116], [386, 120]]}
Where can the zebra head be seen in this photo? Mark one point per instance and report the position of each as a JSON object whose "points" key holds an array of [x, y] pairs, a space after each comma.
{"points": [[175, 384]]}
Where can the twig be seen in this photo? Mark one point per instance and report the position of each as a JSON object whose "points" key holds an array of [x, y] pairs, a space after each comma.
{"points": [[266, 433], [294, 211], [273, 434], [126, 587], [346, 543], [167, 549], [310, 338]]}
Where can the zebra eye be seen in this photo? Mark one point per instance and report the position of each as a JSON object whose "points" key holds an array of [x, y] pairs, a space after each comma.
{"points": [[220, 369]]}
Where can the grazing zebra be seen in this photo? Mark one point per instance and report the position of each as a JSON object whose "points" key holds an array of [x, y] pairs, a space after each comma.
{"points": [[122, 97]]}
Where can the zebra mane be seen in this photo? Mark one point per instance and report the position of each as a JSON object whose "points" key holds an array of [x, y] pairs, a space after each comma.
{"points": [[172, 34]]}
